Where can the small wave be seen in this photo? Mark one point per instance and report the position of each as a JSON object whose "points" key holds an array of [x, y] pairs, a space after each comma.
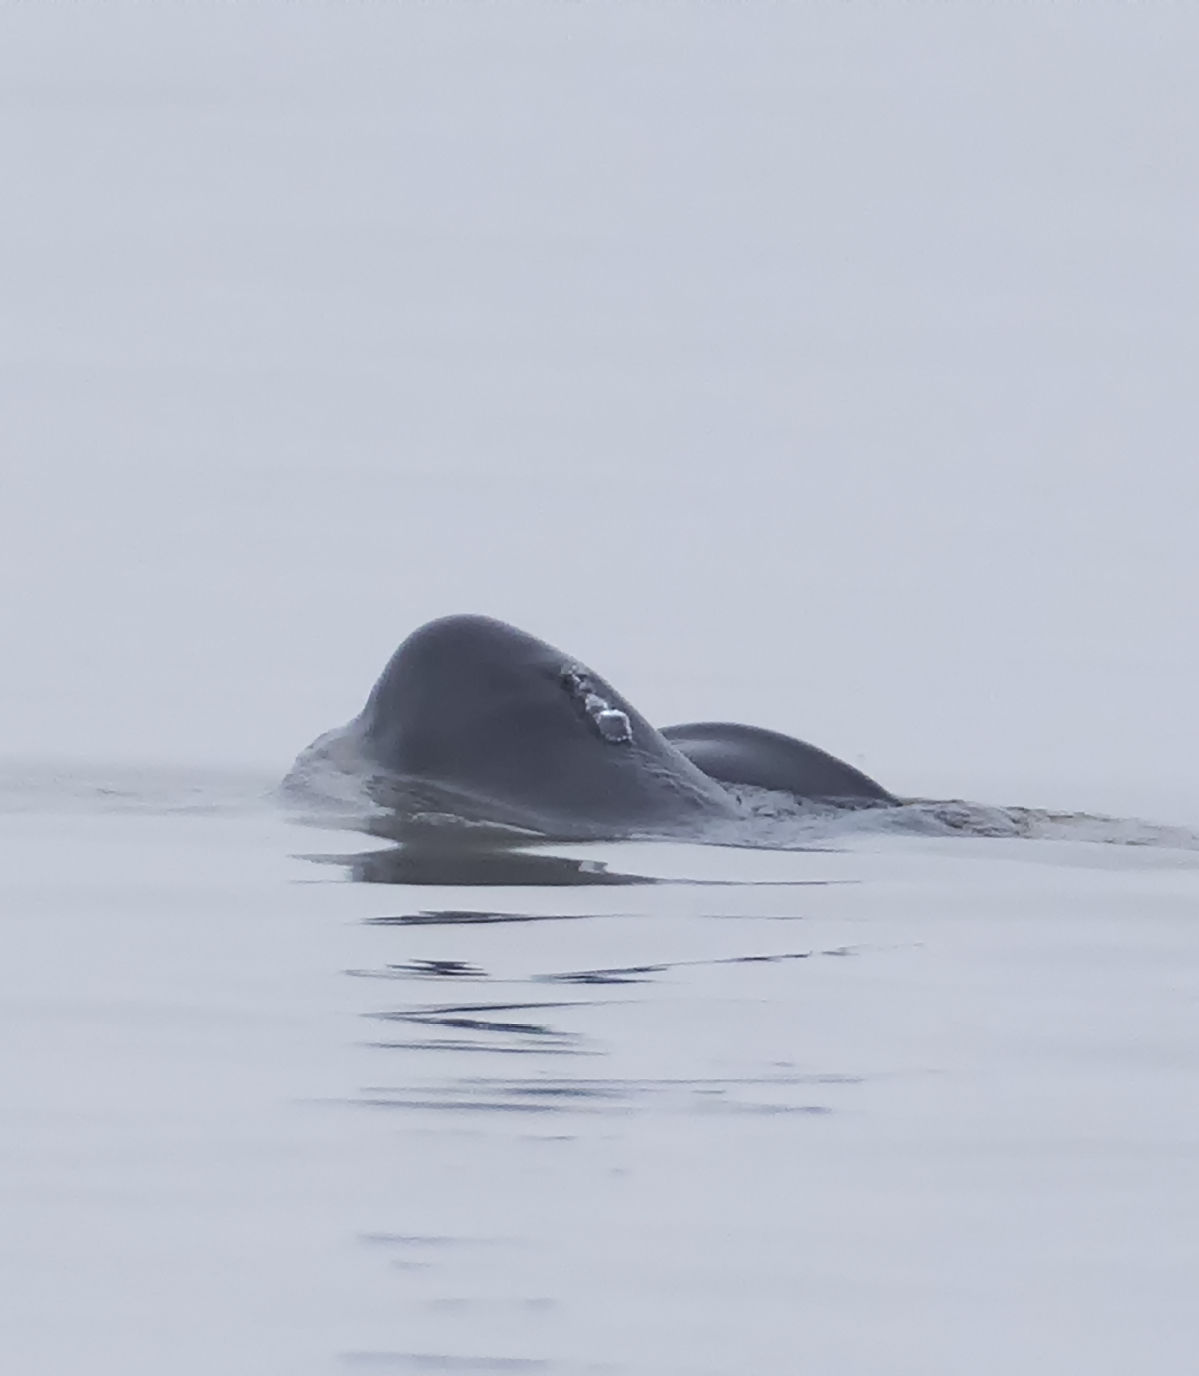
{"points": [[777, 821], [335, 791]]}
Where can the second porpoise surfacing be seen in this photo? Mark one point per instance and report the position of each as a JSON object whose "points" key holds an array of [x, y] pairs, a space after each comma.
{"points": [[476, 720]]}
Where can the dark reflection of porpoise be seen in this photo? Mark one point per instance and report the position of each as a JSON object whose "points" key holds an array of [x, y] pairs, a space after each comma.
{"points": [[475, 721], [475, 864]]}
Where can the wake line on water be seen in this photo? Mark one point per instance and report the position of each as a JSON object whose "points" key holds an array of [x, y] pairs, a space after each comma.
{"points": [[777, 821], [66, 787]]}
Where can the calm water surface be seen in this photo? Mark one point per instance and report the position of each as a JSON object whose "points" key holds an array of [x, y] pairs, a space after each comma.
{"points": [[898, 1104], [824, 367]]}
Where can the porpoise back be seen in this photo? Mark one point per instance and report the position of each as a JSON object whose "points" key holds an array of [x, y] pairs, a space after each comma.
{"points": [[753, 755]]}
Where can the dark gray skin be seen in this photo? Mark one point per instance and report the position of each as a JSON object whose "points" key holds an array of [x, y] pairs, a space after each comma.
{"points": [[475, 719], [500, 721], [767, 759]]}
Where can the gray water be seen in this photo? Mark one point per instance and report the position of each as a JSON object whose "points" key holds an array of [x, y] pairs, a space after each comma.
{"points": [[825, 367]]}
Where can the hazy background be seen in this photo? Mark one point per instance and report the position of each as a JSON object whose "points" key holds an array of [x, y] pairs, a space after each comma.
{"points": [[825, 366]]}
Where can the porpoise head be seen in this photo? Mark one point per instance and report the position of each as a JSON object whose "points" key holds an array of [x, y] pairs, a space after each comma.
{"points": [[475, 708]]}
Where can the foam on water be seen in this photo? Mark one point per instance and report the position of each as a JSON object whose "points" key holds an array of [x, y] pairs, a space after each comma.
{"points": [[775, 820]]}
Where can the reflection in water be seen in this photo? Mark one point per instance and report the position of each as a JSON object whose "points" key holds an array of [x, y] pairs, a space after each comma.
{"points": [[767, 1094], [484, 1025], [615, 974], [476, 1044], [495, 859], [428, 1361], [480, 1017], [651, 1032], [640, 974], [461, 917], [474, 865], [425, 969]]}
